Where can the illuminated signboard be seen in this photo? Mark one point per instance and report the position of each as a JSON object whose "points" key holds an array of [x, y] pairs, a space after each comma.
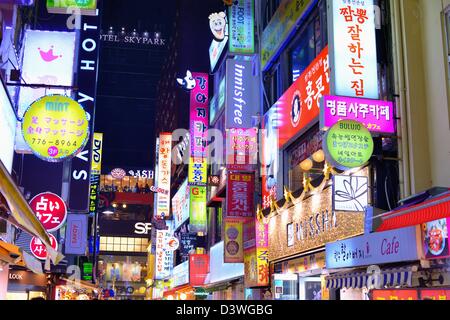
{"points": [[197, 209], [283, 23], [55, 128], [350, 193], [242, 94], [162, 256], [348, 144], [215, 51], [96, 168], [76, 234], [199, 114], [38, 249], [164, 173], [242, 149], [435, 239], [377, 116], [353, 48], [50, 209], [256, 254], [7, 129], [240, 195], [233, 243], [180, 205], [242, 27], [86, 7]]}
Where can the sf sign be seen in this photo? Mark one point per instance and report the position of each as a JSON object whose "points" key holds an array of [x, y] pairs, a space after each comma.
{"points": [[50, 209], [38, 249]]}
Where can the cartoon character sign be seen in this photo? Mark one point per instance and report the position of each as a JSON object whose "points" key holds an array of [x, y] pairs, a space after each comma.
{"points": [[218, 25], [188, 83]]}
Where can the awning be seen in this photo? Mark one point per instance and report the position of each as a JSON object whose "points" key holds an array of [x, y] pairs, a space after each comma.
{"points": [[21, 214], [16, 256], [388, 278], [429, 210]]}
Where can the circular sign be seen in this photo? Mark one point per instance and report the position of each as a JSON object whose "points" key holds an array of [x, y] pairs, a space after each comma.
{"points": [[296, 109], [38, 249], [118, 173], [50, 209], [172, 244], [55, 127], [348, 144]]}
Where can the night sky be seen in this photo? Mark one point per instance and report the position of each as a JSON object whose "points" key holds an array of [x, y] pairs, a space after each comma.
{"points": [[129, 74]]}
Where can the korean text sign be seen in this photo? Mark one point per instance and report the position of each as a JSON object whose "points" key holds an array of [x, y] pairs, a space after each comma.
{"points": [[242, 27], [199, 110], [354, 53], [256, 254], [180, 205], [375, 248], [240, 195], [163, 256], [38, 249], [50, 209], [300, 104], [55, 128], [198, 269], [242, 149], [376, 115], [164, 173]]}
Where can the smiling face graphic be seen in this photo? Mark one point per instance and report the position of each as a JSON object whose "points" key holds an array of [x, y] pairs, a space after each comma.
{"points": [[218, 23]]}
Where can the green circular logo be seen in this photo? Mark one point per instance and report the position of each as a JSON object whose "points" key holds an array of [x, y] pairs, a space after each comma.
{"points": [[348, 144]]}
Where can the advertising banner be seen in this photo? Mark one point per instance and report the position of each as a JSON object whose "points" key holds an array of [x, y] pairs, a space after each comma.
{"points": [[8, 123], [270, 157], [76, 234], [240, 195], [163, 257], [181, 274], [164, 174], [376, 115], [242, 149], [96, 168], [353, 48], [197, 209], [256, 254], [180, 205], [198, 171], [350, 193], [375, 248], [348, 144], [435, 239], [188, 243], [199, 114], [86, 96], [86, 7], [242, 27], [242, 95], [198, 269], [50, 209], [233, 246]]}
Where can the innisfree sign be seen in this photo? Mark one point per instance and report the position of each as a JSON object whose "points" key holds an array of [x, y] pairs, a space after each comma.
{"points": [[348, 144]]}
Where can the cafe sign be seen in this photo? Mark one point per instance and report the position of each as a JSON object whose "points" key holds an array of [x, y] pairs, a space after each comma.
{"points": [[348, 144]]}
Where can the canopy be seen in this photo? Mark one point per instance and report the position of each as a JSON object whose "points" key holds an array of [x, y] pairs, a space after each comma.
{"points": [[21, 214], [14, 255], [432, 209]]}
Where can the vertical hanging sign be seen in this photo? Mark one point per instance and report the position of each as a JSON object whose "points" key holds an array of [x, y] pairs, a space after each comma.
{"points": [[353, 49], [242, 27], [87, 91], [164, 173], [96, 168]]}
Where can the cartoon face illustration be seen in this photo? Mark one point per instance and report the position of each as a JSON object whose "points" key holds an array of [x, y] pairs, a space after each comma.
{"points": [[218, 24], [188, 82]]}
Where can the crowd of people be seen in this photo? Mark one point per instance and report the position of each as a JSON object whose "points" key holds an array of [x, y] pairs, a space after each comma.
{"points": [[136, 189]]}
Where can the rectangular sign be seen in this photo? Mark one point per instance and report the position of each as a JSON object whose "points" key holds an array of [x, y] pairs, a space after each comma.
{"points": [[164, 174], [350, 193], [76, 234], [242, 27], [197, 209], [180, 205], [283, 23], [163, 257], [242, 149], [435, 239], [375, 248], [198, 269], [234, 242], [97, 151], [240, 195], [215, 51], [199, 114], [8, 124], [86, 7], [256, 254], [353, 48], [86, 96], [180, 274], [376, 115], [198, 171], [188, 243], [299, 106], [395, 295], [242, 95]]}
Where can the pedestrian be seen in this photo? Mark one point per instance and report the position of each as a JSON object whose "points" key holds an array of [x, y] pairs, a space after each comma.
{"points": [[136, 188], [147, 188]]}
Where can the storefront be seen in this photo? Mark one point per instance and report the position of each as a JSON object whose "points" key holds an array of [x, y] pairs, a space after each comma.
{"points": [[76, 290], [225, 281], [25, 285], [298, 232], [381, 260], [180, 286]]}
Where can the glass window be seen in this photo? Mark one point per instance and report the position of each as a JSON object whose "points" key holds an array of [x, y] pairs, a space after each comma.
{"points": [[307, 47]]}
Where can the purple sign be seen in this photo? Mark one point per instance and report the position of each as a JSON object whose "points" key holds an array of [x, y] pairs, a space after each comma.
{"points": [[76, 234], [375, 248], [376, 115]]}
